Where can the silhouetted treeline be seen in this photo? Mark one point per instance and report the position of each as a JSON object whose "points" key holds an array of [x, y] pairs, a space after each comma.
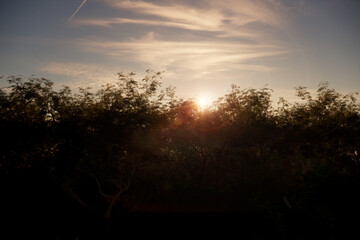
{"points": [[86, 160]]}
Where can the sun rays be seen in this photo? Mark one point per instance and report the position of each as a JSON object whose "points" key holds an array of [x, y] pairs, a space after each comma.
{"points": [[203, 102]]}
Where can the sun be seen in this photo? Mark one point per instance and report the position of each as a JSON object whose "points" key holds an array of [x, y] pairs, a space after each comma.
{"points": [[203, 102]]}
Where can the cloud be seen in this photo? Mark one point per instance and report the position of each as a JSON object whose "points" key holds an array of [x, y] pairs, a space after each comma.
{"points": [[196, 56], [92, 75], [173, 11], [227, 18], [265, 12], [218, 30], [209, 14], [216, 36], [106, 22]]}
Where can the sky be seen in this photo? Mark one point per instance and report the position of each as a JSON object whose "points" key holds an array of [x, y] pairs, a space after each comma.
{"points": [[202, 46]]}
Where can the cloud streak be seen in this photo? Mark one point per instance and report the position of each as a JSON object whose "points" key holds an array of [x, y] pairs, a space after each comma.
{"points": [[248, 19], [220, 31], [209, 13], [197, 38], [72, 16], [190, 56], [92, 75]]}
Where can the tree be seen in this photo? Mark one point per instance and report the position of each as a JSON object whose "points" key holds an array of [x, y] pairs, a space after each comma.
{"points": [[134, 146]]}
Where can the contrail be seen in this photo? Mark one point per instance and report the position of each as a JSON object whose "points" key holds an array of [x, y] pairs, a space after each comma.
{"points": [[130, 2], [82, 4]]}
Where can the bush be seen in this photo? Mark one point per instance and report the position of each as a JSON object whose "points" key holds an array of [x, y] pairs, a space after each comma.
{"points": [[131, 147]]}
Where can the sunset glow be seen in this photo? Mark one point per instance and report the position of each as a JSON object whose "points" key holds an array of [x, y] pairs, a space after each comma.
{"points": [[279, 43], [203, 102]]}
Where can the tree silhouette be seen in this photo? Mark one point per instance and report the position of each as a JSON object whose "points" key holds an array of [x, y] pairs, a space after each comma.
{"points": [[135, 147]]}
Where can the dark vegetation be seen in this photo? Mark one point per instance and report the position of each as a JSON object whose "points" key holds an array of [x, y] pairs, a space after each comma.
{"points": [[83, 164]]}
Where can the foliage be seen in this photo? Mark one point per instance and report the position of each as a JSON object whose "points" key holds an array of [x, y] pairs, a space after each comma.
{"points": [[132, 147]]}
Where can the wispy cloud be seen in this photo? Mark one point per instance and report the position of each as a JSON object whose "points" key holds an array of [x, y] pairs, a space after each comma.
{"points": [[197, 56], [209, 14], [106, 22], [219, 30], [173, 11], [227, 24], [72, 16], [92, 75]]}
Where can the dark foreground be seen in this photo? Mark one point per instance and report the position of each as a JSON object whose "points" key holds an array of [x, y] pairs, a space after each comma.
{"points": [[35, 210], [132, 159]]}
